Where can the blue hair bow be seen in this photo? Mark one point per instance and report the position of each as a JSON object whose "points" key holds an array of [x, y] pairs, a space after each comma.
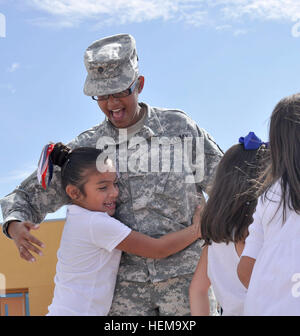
{"points": [[251, 141]]}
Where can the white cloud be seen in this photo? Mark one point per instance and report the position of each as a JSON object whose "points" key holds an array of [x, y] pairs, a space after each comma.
{"points": [[72, 12], [262, 9], [13, 67], [219, 13], [239, 32], [197, 18], [223, 27], [296, 30], [54, 23]]}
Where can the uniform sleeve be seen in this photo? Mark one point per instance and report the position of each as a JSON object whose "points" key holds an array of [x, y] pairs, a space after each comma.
{"points": [[107, 232], [30, 202], [255, 239], [212, 156], [206, 155]]}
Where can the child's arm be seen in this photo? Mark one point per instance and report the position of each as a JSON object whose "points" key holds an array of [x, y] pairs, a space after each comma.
{"points": [[253, 246], [157, 248], [244, 269], [199, 287]]}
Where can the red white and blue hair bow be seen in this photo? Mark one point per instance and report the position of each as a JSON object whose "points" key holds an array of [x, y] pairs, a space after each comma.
{"points": [[252, 142], [45, 164]]}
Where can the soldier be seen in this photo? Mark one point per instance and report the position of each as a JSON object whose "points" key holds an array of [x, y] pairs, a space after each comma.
{"points": [[156, 186]]}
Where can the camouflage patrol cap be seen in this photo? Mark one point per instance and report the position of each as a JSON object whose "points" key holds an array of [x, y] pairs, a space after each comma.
{"points": [[112, 65]]}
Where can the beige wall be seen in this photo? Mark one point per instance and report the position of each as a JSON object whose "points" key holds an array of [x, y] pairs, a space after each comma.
{"points": [[37, 277]]}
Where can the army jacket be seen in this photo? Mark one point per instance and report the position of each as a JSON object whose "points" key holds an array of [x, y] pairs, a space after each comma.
{"points": [[170, 162]]}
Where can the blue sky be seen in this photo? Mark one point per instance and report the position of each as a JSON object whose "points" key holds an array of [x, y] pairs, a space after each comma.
{"points": [[226, 63]]}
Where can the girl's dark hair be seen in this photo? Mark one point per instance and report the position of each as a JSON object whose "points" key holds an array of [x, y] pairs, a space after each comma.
{"points": [[74, 164], [233, 196], [284, 137]]}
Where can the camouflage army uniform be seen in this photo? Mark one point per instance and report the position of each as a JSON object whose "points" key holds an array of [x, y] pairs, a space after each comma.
{"points": [[153, 203]]}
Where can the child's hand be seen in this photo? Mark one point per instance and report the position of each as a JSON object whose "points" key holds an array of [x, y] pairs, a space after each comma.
{"points": [[197, 220]]}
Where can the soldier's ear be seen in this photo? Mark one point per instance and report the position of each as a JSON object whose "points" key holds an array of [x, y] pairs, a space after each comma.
{"points": [[73, 192], [141, 83]]}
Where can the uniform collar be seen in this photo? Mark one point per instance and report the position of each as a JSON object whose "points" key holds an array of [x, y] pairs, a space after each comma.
{"points": [[152, 126]]}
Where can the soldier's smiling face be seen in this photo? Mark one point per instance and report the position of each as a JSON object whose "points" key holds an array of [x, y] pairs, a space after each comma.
{"points": [[123, 112]]}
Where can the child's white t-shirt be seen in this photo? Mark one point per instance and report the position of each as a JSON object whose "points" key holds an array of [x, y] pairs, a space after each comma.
{"points": [[274, 287], [222, 262], [88, 263]]}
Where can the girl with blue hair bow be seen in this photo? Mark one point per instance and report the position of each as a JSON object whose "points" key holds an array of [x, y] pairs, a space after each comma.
{"points": [[224, 227]]}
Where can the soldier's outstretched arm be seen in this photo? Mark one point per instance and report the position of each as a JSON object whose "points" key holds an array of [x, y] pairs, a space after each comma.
{"points": [[29, 203], [27, 206]]}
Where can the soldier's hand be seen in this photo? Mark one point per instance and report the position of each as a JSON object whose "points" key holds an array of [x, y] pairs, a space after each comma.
{"points": [[197, 219], [25, 242]]}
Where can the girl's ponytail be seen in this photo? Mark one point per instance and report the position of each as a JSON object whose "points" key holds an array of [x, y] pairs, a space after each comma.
{"points": [[60, 154], [76, 164]]}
